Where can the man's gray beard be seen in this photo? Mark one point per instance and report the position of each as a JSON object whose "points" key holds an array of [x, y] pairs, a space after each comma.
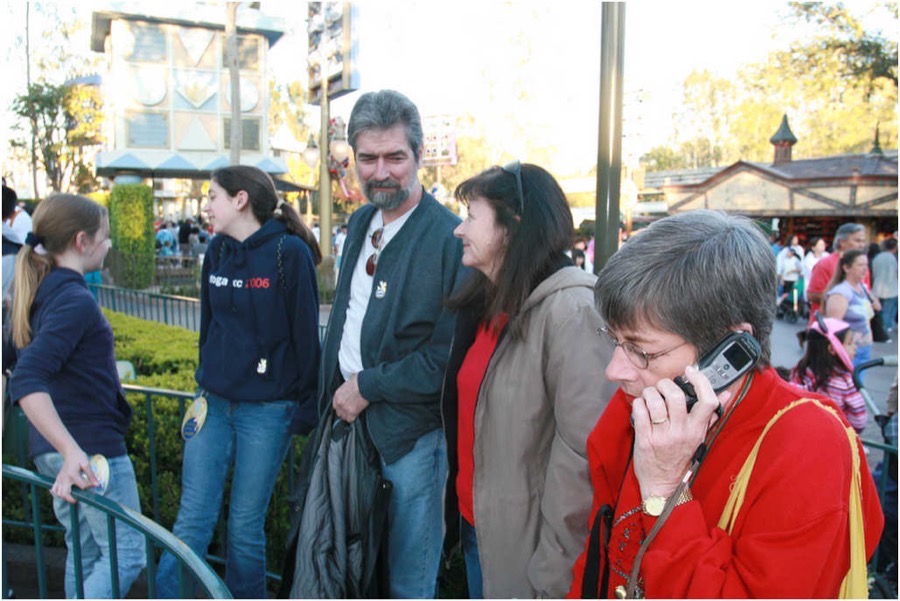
{"points": [[387, 201]]}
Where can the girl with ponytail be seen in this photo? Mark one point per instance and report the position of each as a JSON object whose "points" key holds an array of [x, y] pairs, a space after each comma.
{"points": [[66, 382]]}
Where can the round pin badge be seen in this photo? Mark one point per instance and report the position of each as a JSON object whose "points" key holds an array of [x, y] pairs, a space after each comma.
{"points": [[194, 418], [100, 467]]}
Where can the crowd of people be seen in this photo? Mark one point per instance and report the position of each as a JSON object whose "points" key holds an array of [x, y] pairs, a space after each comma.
{"points": [[186, 238], [563, 429]]}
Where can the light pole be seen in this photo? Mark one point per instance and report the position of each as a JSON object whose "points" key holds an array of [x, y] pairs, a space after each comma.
{"points": [[333, 146], [332, 51], [324, 179]]}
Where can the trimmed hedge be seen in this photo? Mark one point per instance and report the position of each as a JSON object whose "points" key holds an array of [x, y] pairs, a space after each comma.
{"points": [[132, 258]]}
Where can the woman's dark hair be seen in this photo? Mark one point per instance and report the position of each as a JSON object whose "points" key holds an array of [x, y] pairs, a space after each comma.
{"points": [[537, 238], [818, 359], [264, 200], [577, 253], [846, 260]]}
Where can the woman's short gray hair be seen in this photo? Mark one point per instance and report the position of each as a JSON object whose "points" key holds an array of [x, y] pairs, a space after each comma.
{"points": [[383, 110], [696, 274]]}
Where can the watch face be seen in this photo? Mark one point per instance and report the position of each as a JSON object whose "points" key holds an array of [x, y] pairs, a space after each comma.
{"points": [[653, 506]]}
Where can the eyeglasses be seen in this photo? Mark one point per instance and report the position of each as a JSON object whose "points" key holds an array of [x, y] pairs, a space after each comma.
{"points": [[635, 354], [515, 168], [373, 258]]}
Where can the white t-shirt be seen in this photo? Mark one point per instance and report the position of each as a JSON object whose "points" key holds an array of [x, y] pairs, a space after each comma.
{"points": [[20, 223], [339, 243], [361, 287]]}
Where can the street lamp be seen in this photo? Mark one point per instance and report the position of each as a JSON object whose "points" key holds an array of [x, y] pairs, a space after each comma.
{"points": [[339, 147], [311, 154], [331, 155]]}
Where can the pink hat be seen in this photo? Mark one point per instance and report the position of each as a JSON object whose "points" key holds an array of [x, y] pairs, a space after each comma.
{"points": [[829, 327]]}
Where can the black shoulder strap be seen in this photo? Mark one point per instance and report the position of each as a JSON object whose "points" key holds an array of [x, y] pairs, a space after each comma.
{"points": [[280, 260], [591, 587]]}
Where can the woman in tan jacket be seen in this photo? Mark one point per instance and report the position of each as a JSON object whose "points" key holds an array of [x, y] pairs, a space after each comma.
{"points": [[523, 388]]}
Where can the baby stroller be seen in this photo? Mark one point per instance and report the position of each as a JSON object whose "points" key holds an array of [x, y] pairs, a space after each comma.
{"points": [[883, 566], [792, 307]]}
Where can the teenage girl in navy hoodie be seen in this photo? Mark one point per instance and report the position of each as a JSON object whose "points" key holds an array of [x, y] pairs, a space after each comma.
{"points": [[67, 385], [259, 358]]}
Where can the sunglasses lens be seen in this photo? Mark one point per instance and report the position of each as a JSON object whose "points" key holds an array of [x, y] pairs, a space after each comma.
{"points": [[370, 265]]}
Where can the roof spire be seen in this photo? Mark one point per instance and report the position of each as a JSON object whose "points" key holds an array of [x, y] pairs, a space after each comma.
{"points": [[876, 149], [783, 140]]}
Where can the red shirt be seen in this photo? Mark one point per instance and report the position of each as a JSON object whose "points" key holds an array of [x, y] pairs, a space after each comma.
{"points": [[468, 382]]}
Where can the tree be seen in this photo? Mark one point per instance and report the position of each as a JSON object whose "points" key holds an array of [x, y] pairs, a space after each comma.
{"points": [[84, 129], [287, 106], [663, 158], [49, 64], [704, 122], [42, 107], [836, 88], [863, 55], [64, 119]]}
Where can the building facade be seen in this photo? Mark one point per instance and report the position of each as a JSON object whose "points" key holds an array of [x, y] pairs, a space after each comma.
{"points": [[167, 91], [808, 197]]}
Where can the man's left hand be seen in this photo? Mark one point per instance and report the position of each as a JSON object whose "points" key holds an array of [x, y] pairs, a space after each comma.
{"points": [[348, 402]]}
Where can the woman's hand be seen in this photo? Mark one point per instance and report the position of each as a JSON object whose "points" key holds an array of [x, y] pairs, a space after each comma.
{"points": [[76, 471], [666, 435]]}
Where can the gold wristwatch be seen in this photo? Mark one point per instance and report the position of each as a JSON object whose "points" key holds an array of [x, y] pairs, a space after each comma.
{"points": [[654, 504]]}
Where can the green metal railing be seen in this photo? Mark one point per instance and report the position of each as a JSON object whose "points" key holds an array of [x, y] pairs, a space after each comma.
{"points": [[171, 310], [17, 447], [191, 567]]}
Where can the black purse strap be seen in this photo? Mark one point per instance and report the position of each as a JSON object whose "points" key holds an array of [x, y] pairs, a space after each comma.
{"points": [[591, 587]]}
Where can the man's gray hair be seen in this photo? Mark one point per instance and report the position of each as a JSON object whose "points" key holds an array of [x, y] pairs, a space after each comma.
{"points": [[843, 232], [698, 275], [383, 110]]}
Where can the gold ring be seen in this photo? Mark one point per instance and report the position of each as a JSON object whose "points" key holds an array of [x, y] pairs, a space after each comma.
{"points": [[657, 422]]}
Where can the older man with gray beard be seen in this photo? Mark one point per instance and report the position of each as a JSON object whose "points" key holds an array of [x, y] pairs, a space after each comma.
{"points": [[389, 333]]}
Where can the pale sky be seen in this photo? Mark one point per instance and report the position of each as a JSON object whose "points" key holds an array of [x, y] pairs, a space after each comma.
{"points": [[461, 57], [527, 70]]}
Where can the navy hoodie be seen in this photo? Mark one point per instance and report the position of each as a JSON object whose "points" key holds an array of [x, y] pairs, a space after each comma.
{"points": [[259, 326], [71, 357]]}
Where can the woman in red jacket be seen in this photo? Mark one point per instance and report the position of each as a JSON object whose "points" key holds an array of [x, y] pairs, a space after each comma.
{"points": [[752, 493]]}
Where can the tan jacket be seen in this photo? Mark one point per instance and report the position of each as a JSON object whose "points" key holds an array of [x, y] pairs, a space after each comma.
{"points": [[540, 398]]}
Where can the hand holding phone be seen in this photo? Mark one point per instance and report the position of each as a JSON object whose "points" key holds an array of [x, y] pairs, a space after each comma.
{"points": [[724, 364]]}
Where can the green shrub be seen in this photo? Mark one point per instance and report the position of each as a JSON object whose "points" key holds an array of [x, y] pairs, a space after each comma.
{"points": [[132, 260]]}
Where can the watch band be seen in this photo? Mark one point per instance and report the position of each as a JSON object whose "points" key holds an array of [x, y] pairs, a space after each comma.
{"points": [[654, 504]]}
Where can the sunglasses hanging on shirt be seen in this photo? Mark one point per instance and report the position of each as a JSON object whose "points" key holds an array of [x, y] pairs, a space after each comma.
{"points": [[373, 258]]}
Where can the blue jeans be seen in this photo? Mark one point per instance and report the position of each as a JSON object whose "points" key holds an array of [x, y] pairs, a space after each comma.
{"points": [[92, 526], [416, 517], [889, 312], [473, 562], [255, 436], [863, 354]]}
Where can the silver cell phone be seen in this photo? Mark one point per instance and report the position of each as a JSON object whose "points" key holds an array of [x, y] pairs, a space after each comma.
{"points": [[732, 357]]}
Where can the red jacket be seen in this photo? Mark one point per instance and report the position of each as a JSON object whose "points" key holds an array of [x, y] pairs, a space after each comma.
{"points": [[791, 537]]}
